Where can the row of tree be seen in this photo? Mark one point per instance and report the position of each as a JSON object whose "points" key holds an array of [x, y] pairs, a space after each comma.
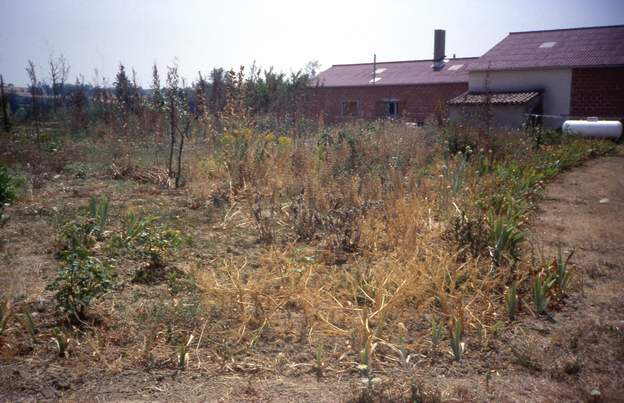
{"points": [[266, 91]]}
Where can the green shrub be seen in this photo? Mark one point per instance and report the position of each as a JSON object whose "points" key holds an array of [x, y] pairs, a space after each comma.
{"points": [[84, 232], [143, 239], [80, 279], [457, 139], [8, 192], [469, 232], [77, 170]]}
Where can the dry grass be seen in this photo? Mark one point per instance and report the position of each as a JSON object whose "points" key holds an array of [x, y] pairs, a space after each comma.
{"points": [[348, 241]]}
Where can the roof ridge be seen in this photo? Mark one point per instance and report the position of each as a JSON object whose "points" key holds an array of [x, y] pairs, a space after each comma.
{"points": [[403, 61], [568, 29]]}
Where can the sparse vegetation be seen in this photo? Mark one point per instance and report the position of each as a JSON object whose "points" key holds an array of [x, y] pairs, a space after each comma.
{"points": [[360, 244]]}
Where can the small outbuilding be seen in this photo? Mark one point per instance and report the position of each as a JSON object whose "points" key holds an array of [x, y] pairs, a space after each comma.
{"points": [[556, 74]]}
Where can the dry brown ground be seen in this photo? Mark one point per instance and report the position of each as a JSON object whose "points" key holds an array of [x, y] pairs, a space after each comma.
{"points": [[564, 359]]}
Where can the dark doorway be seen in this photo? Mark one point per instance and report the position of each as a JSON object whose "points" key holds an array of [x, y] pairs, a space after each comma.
{"points": [[391, 108]]}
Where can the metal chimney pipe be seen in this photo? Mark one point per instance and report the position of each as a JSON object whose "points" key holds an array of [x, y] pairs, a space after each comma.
{"points": [[439, 40]]}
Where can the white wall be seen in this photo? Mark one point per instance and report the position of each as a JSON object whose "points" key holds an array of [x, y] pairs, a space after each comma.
{"points": [[556, 85]]}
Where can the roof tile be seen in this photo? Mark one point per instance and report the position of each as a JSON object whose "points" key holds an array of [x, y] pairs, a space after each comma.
{"points": [[577, 47], [395, 73], [495, 98]]}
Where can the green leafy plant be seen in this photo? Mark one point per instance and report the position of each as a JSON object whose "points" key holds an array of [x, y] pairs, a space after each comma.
{"points": [[26, 320], [469, 232], [540, 290], [143, 239], [319, 362], [183, 352], [77, 169], [525, 358], [8, 192], [436, 333], [454, 175], [457, 346], [506, 237], [83, 232], [365, 354], [61, 341], [5, 313], [511, 301], [418, 394], [74, 236], [563, 272], [80, 279], [98, 215]]}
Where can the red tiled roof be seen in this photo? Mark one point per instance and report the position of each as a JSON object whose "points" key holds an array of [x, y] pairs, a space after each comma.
{"points": [[576, 47], [496, 98], [394, 73]]}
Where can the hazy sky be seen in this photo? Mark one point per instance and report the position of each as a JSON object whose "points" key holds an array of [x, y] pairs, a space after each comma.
{"points": [[285, 34]]}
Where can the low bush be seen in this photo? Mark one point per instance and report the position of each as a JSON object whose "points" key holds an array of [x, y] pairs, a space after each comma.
{"points": [[142, 238], [81, 278], [8, 192], [85, 231]]}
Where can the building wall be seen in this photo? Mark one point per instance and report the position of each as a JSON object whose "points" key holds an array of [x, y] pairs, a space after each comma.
{"points": [[556, 85], [598, 92], [416, 102]]}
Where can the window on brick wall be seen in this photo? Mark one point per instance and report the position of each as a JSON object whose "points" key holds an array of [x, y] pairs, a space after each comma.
{"points": [[350, 108]]}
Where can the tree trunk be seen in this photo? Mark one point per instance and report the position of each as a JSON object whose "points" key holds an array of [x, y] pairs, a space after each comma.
{"points": [[179, 170], [3, 103], [172, 145]]}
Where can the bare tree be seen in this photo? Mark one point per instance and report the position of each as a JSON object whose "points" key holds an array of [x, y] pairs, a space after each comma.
{"points": [[58, 71], [180, 121], [34, 88]]}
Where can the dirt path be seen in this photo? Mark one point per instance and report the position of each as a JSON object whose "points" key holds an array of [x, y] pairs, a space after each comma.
{"points": [[584, 210]]}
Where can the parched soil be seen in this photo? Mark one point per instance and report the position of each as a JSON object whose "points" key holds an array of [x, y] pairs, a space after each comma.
{"points": [[574, 354], [584, 211]]}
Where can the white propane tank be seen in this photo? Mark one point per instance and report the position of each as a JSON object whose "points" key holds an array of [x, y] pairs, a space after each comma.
{"points": [[592, 127]]}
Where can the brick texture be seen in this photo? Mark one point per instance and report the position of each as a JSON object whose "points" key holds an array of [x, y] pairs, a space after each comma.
{"points": [[598, 92], [416, 102]]}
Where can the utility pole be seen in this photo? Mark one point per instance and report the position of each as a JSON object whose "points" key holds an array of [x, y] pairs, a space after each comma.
{"points": [[374, 67]]}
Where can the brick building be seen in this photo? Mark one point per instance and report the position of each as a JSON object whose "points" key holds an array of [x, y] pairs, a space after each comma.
{"points": [[571, 73], [408, 89]]}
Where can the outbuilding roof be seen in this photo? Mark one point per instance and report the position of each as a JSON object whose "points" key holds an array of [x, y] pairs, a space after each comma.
{"points": [[495, 98], [394, 73], [575, 47]]}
